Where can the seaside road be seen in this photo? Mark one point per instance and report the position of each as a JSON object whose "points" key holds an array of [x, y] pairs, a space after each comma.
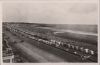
{"points": [[35, 51]]}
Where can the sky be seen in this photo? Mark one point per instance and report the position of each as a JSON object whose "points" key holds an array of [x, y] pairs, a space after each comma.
{"points": [[51, 12], [49, 0]]}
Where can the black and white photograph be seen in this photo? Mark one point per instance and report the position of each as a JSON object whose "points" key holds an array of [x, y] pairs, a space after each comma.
{"points": [[50, 32]]}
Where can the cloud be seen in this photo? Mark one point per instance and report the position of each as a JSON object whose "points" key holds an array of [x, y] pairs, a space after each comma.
{"points": [[83, 8]]}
